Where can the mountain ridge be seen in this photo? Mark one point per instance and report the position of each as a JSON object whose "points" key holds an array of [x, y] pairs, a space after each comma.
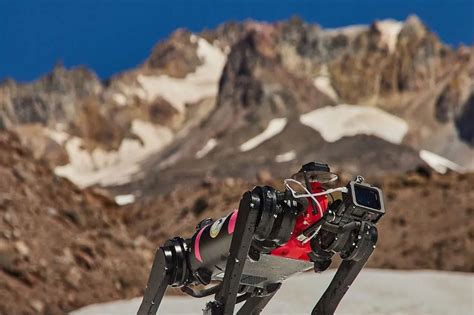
{"points": [[225, 86]]}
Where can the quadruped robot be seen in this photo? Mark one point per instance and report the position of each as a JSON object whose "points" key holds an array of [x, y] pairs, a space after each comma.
{"points": [[272, 235]]}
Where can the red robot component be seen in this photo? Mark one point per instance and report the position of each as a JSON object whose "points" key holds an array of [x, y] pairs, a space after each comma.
{"points": [[297, 248]]}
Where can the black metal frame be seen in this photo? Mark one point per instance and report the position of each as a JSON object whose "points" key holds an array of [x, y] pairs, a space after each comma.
{"points": [[158, 282], [169, 266], [245, 228], [348, 270]]}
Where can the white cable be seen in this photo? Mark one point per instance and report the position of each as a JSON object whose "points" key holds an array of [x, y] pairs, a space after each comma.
{"points": [[326, 192], [313, 197], [312, 235], [309, 194], [301, 196]]}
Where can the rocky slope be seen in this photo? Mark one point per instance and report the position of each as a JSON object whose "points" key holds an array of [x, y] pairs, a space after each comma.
{"points": [[60, 247]]}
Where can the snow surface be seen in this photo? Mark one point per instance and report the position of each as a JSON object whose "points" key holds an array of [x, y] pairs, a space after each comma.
{"points": [[439, 163], [57, 136], [390, 30], [374, 292], [210, 144], [120, 99], [195, 86], [335, 122], [285, 157], [349, 31], [275, 126], [123, 200], [113, 167], [128, 92], [323, 83]]}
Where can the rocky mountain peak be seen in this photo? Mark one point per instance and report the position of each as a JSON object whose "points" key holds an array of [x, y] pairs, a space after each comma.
{"points": [[176, 57], [50, 99], [414, 26], [82, 80]]}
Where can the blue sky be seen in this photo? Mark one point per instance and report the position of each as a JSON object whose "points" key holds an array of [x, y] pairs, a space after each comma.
{"points": [[113, 35]]}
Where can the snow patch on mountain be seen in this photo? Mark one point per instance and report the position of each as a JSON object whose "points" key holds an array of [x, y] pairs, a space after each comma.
{"points": [[210, 144], [60, 137], [120, 99], [335, 122], [115, 167], [285, 157], [389, 30], [349, 31], [323, 83], [195, 86], [123, 200], [439, 163], [127, 93], [274, 128]]}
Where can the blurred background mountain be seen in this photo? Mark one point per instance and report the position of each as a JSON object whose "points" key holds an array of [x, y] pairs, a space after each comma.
{"points": [[96, 173]]}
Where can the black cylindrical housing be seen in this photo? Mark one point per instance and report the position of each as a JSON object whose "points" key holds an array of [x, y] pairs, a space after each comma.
{"points": [[210, 245]]}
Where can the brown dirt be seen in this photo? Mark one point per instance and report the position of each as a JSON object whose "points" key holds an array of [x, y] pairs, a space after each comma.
{"points": [[429, 223], [60, 248]]}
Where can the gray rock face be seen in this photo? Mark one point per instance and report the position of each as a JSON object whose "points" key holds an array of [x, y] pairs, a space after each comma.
{"points": [[51, 99], [465, 121]]}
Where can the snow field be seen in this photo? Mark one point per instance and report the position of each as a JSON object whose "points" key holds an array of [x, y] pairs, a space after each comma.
{"points": [[275, 126], [374, 292], [195, 86], [113, 167], [439, 163], [336, 122]]}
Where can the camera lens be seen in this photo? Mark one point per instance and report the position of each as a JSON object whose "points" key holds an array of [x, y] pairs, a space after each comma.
{"points": [[367, 197]]}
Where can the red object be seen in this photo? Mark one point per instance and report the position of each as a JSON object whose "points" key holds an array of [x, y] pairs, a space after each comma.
{"points": [[296, 249]]}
